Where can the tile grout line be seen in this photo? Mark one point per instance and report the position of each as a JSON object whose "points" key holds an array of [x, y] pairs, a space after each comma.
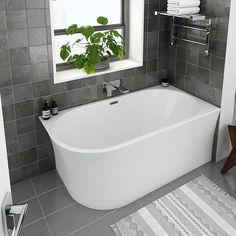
{"points": [[92, 222], [35, 221], [35, 196], [61, 209], [41, 209]]}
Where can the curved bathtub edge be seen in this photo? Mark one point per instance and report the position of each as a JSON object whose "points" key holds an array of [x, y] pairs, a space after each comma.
{"points": [[127, 143]]}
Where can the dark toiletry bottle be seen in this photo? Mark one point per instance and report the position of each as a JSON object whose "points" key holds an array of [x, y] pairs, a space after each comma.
{"points": [[165, 82], [54, 108], [46, 113]]}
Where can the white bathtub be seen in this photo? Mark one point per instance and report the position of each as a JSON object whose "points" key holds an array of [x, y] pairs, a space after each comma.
{"points": [[110, 155]]}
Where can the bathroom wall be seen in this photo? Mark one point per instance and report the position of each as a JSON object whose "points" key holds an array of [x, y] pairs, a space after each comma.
{"points": [[190, 69], [26, 79]]}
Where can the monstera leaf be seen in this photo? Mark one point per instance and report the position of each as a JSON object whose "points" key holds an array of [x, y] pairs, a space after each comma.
{"points": [[87, 31], [102, 20]]}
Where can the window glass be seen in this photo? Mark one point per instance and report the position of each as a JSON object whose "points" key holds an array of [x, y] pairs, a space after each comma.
{"points": [[85, 12]]}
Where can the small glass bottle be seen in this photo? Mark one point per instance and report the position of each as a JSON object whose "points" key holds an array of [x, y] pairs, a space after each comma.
{"points": [[46, 113], [54, 108]]}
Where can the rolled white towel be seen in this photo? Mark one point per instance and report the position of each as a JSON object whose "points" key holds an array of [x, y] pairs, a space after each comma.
{"points": [[183, 11], [184, 3]]}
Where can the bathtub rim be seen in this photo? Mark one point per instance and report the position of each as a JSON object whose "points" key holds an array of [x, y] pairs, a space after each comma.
{"points": [[49, 128]]}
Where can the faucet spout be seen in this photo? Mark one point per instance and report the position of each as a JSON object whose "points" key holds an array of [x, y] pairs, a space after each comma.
{"points": [[123, 90], [109, 87]]}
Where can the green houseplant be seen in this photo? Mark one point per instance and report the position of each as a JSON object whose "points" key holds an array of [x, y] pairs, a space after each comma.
{"points": [[98, 46]]}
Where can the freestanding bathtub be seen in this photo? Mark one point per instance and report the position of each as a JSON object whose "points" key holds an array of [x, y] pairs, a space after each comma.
{"points": [[115, 151]]}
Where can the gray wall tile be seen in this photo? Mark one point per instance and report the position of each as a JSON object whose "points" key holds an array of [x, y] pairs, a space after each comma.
{"points": [[75, 97], [25, 125], [5, 77], [3, 25], [20, 56], [37, 36], [41, 89], [18, 38], [16, 19], [61, 99], [36, 18], [42, 137], [7, 96], [24, 109], [22, 92], [218, 64], [10, 129], [28, 156], [4, 57], [40, 71], [21, 74], [45, 151], [46, 165], [35, 3], [12, 145], [14, 161], [29, 171], [9, 112], [26, 141], [38, 54], [15, 4], [15, 176]]}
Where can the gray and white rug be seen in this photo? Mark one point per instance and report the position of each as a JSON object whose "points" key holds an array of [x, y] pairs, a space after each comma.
{"points": [[195, 209]]}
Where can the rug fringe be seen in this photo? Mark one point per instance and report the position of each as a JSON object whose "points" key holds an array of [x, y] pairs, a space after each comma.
{"points": [[116, 230], [228, 196]]}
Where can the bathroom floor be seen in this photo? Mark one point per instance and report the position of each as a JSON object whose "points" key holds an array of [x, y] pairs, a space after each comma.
{"points": [[52, 212]]}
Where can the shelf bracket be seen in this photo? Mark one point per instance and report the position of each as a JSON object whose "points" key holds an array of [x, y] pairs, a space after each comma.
{"points": [[172, 33], [208, 37]]}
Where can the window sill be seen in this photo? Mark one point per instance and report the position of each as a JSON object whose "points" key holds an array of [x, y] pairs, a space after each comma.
{"points": [[74, 74]]}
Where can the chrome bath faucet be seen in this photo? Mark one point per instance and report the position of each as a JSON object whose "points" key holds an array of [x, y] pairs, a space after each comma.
{"points": [[115, 85]]}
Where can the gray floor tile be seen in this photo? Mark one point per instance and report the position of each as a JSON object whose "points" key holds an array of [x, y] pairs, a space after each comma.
{"points": [[22, 191], [228, 184], [77, 220], [220, 165], [126, 210], [89, 215], [211, 171], [233, 171], [189, 176], [66, 221], [150, 197], [102, 227], [46, 181], [55, 200], [34, 212], [82, 232], [38, 228], [160, 192]]}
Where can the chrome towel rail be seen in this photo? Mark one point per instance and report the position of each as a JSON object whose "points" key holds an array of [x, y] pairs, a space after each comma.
{"points": [[189, 41], [206, 38], [199, 28], [206, 29]]}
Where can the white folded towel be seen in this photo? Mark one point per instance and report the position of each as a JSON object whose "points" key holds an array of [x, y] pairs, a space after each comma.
{"points": [[183, 11], [184, 3]]}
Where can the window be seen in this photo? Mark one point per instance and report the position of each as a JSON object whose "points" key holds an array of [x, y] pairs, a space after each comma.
{"points": [[80, 12], [126, 16]]}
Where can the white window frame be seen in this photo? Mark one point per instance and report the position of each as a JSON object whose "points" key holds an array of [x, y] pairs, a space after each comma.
{"points": [[135, 44]]}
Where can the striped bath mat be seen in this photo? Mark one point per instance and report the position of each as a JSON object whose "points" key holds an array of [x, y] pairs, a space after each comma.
{"points": [[196, 208]]}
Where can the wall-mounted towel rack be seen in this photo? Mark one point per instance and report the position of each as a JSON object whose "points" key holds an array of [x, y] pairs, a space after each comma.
{"points": [[205, 30]]}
